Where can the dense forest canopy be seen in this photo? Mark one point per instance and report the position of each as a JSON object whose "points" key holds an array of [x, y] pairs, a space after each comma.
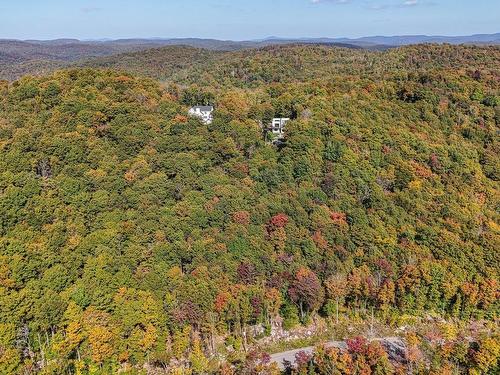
{"points": [[131, 233]]}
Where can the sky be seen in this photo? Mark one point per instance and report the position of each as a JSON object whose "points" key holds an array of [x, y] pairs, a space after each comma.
{"points": [[244, 19]]}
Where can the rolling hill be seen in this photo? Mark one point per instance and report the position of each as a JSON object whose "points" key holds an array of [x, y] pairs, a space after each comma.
{"points": [[293, 63], [159, 63], [36, 57], [134, 238]]}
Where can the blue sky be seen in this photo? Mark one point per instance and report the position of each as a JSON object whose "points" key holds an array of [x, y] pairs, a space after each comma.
{"points": [[244, 19]]}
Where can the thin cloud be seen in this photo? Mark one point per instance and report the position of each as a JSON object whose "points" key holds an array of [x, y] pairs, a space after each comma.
{"points": [[412, 3], [374, 5], [331, 1], [379, 6], [91, 9], [400, 5]]}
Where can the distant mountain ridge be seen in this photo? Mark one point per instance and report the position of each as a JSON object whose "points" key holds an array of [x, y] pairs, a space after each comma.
{"points": [[20, 57], [418, 39], [396, 40]]}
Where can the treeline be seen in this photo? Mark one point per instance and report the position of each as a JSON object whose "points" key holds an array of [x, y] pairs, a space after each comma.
{"points": [[131, 234]]}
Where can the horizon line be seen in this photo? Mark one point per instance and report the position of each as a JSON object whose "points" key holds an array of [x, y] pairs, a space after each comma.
{"points": [[269, 37]]}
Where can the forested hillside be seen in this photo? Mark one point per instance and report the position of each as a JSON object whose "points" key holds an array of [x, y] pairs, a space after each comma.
{"points": [[18, 58], [160, 63], [303, 63], [153, 56], [132, 235]]}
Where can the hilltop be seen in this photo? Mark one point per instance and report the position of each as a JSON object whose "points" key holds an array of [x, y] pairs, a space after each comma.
{"points": [[133, 236]]}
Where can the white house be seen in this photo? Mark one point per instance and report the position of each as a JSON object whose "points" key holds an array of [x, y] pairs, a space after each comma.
{"points": [[278, 126], [205, 113]]}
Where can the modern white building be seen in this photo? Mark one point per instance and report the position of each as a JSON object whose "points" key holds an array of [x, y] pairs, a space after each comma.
{"points": [[205, 113], [278, 126]]}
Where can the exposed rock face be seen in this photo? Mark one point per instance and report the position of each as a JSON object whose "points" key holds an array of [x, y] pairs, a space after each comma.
{"points": [[395, 348], [43, 169]]}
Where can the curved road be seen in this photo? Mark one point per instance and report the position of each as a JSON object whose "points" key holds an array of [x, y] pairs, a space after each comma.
{"points": [[398, 348], [290, 354]]}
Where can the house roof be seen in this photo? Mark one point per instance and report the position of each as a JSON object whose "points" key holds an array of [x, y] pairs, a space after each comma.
{"points": [[204, 108]]}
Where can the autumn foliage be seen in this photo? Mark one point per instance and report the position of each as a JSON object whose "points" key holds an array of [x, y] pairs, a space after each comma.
{"points": [[134, 237]]}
